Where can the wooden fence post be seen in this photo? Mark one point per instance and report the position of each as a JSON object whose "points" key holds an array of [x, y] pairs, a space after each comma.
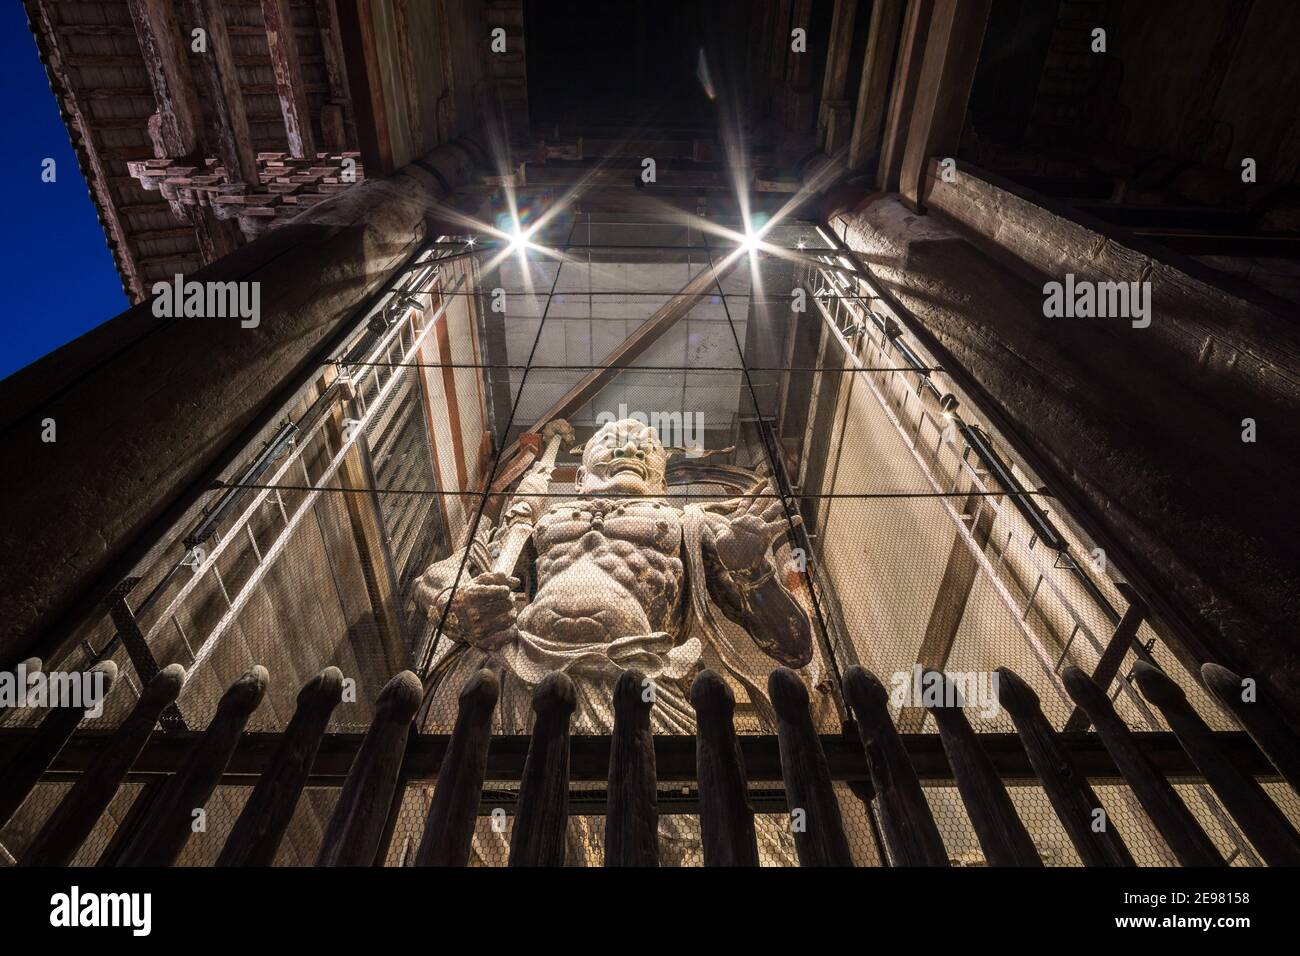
{"points": [[356, 827], [449, 826], [632, 814], [726, 817], [256, 835], [908, 826], [79, 811], [542, 822]]}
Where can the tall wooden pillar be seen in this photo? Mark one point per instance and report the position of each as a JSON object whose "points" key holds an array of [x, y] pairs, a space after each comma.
{"points": [[874, 87], [952, 52]]}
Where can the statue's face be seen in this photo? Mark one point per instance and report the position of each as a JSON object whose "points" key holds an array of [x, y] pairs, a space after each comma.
{"points": [[624, 457]]}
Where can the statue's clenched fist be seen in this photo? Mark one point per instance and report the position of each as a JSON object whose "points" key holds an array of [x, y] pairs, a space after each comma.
{"points": [[482, 612]]}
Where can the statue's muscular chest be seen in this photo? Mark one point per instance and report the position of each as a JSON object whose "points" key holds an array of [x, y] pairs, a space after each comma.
{"points": [[609, 551]]}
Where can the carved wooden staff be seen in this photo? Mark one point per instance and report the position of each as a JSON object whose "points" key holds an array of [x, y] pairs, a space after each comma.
{"points": [[726, 817], [905, 819], [1259, 817], [820, 840], [632, 814], [168, 826], [512, 544], [1073, 799], [1001, 832], [1169, 814], [257, 834], [74, 818], [39, 752], [542, 822], [449, 827], [1279, 744], [356, 827]]}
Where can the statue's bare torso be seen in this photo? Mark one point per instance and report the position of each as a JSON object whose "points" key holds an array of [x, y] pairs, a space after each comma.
{"points": [[606, 569]]}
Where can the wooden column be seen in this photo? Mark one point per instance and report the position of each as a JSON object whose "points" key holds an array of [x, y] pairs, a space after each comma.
{"points": [[832, 118], [356, 827], [908, 826], [449, 827], [76, 815], [1260, 819], [167, 828], [1073, 799], [632, 816], [874, 86], [819, 835], [952, 52], [256, 835], [541, 826], [907, 75], [294, 105], [726, 817], [1001, 832], [1171, 817]]}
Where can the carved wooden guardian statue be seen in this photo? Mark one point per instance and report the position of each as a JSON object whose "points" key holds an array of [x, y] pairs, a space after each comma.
{"points": [[621, 578]]}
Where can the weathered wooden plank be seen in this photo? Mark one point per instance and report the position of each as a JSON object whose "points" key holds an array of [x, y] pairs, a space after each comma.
{"points": [[632, 817], [257, 834], [25, 770], [1002, 834], [1073, 799], [726, 817], [815, 812], [908, 826], [1259, 817], [76, 815], [1270, 734], [538, 837], [449, 827], [356, 827], [168, 825]]}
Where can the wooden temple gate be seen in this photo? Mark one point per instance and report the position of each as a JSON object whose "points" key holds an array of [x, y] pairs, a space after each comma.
{"points": [[887, 766]]}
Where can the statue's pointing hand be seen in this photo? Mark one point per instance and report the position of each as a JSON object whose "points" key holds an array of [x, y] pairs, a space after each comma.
{"points": [[755, 521], [483, 612]]}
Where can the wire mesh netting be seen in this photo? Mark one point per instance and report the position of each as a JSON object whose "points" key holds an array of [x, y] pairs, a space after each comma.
{"points": [[762, 469]]}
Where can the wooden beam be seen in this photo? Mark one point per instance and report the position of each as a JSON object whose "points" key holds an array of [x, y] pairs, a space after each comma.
{"points": [[952, 52], [674, 756], [180, 122], [283, 44], [837, 68], [907, 72], [234, 142], [873, 87]]}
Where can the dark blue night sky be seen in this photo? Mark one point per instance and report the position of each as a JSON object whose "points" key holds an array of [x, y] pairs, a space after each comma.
{"points": [[59, 277]]}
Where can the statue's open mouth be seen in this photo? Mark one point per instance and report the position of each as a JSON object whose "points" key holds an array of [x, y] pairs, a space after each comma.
{"points": [[628, 464]]}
